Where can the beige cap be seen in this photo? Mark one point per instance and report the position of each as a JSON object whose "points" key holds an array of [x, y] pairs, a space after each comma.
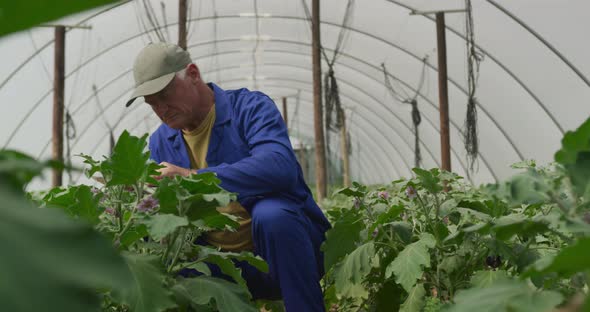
{"points": [[155, 67]]}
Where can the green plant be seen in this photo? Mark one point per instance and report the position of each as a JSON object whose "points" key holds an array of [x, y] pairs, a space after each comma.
{"points": [[434, 243], [155, 226]]}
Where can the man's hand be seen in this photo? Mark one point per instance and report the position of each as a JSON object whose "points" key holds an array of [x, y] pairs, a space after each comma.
{"points": [[171, 170]]}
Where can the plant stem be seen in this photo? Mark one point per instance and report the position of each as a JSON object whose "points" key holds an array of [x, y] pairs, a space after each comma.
{"points": [[385, 244], [437, 205], [180, 245], [427, 215], [128, 225], [165, 255], [118, 208]]}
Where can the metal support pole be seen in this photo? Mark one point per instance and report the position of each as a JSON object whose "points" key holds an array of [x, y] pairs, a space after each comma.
{"points": [[320, 154], [182, 23], [344, 152], [285, 114], [58, 102], [445, 141]]}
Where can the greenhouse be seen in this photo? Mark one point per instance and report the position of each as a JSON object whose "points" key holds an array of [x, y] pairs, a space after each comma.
{"points": [[302, 155]]}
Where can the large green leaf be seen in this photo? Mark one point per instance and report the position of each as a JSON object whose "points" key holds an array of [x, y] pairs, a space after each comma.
{"points": [[342, 238], [128, 162], [528, 188], [247, 256], [415, 300], [18, 169], [570, 260], [225, 264], [50, 262], [387, 217], [167, 194], [351, 192], [509, 296], [160, 225], [19, 15], [487, 278], [148, 292], [133, 234], [409, 265], [201, 290], [429, 179], [211, 218], [574, 155], [77, 201], [507, 226], [494, 208], [388, 297], [451, 263], [354, 269], [203, 183]]}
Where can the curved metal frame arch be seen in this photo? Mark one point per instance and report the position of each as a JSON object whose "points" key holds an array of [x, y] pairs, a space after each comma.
{"points": [[341, 64], [387, 108], [491, 56], [379, 82], [119, 121], [361, 167], [540, 38], [543, 40], [41, 48], [297, 18], [83, 132]]}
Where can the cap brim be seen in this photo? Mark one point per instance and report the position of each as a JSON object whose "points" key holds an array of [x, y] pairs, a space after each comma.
{"points": [[151, 87]]}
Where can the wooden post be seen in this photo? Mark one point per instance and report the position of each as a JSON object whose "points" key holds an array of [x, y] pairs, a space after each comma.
{"points": [[58, 102], [285, 114], [320, 154], [344, 151], [445, 141], [182, 23]]}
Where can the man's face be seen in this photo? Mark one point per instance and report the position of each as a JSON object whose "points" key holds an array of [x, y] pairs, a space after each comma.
{"points": [[173, 103]]}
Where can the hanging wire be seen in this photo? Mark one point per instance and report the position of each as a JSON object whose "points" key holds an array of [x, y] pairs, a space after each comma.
{"points": [[40, 57], [70, 135], [152, 19], [255, 50], [150, 15], [474, 58], [105, 121], [141, 22], [189, 17], [214, 63], [163, 7], [333, 112], [405, 99], [77, 79]]}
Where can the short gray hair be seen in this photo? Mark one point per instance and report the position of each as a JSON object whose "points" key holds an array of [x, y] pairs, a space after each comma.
{"points": [[181, 74]]}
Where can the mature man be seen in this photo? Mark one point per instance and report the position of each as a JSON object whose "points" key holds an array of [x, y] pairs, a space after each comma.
{"points": [[240, 136]]}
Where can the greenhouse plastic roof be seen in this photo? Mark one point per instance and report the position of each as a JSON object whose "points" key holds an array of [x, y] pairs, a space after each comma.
{"points": [[533, 82]]}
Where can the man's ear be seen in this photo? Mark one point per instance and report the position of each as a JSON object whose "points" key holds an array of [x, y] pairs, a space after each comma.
{"points": [[193, 72]]}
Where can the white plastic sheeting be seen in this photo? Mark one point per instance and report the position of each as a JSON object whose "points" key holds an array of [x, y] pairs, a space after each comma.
{"points": [[533, 83]]}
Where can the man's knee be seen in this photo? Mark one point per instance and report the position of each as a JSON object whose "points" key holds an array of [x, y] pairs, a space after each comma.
{"points": [[274, 216]]}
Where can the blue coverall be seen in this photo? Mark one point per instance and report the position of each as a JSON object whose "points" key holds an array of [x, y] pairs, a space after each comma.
{"points": [[251, 154]]}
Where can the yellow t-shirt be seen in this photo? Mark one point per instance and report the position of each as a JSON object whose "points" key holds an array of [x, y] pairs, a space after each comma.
{"points": [[197, 144]]}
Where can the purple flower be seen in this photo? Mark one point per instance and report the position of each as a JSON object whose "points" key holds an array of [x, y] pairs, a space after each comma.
{"points": [[375, 233], [357, 203], [445, 220], [411, 192], [94, 190], [384, 195], [147, 204], [111, 211], [404, 216]]}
